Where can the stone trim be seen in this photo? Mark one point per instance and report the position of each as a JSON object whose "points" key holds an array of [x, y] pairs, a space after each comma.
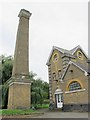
{"points": [[79, 47], [71, 62], [81, 90], [19, 83], [50, 82], [24, 13], [53, 48]]}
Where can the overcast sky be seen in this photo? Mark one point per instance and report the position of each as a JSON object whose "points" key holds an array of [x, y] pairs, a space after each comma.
{"points": [[62, 24]]}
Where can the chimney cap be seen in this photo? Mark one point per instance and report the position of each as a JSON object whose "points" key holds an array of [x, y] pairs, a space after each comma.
{"points": [[24, 13]]}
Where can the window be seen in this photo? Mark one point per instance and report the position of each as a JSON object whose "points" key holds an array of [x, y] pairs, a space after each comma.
{"points": [[54, 76], [59, 74], [55, 57], [74, 86], [71, 71], [79, 55]]}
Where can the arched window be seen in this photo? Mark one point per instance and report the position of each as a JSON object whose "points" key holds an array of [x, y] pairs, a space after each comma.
{"points": [[55, 57], [80, 55], [74, 86]]}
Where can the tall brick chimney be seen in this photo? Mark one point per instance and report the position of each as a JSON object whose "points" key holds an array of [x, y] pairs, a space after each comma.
{"points": [[19, 84]]}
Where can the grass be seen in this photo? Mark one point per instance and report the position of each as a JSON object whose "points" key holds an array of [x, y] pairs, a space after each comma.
{"points": [[43, 106], [12, 112], [17, 112]]}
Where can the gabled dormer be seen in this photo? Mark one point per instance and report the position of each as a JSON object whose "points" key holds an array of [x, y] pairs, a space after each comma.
{"points": [[55, 63], [80, 55]]}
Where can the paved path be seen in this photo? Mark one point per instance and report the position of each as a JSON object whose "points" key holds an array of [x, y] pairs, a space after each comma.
{"points": [[57, 114]]}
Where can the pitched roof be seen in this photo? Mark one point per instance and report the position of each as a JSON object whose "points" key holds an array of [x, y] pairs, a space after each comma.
{"points": [[68, 53], [62, 50], [80, 66], [74, 49]]}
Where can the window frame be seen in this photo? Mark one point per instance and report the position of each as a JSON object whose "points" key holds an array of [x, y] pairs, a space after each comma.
{"points": [[74, 85], [59, 74], [54, 76], [80, 56]]}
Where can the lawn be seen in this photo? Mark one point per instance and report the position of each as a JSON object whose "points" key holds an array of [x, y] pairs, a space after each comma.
{"points": [[43, 106], [11, 112], [18, 112]]}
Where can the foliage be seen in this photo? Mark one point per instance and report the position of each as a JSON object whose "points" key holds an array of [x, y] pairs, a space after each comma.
{"points": [[32, 76], [3, 96], [17, 112], [6, 68], [46, 101], [42, 106], [39, 88], [0, 96], [5, 73], [39, 91]]}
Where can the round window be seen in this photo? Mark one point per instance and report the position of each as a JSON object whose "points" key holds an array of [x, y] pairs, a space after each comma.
{"points": [[79, 55], [55, 57]]}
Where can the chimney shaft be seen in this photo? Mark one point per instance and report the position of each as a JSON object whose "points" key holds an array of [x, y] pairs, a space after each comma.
{"points": [[21, 55]]}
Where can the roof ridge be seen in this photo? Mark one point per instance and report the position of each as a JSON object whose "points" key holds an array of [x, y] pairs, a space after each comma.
{"points": [[61, 48], [76, 64], [78, 46], [72, 50]]}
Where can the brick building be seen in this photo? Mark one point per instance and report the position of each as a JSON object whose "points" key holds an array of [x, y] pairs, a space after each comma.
{"points": [[68, 78]]}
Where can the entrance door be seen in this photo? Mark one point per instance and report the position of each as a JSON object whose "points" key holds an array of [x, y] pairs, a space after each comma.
{"points": [[59, 100]]}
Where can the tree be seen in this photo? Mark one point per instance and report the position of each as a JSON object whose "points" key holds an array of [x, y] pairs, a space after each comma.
{"points": [[32, 76], [6, 68], [5, 73], [4, 95], [46, 89], [39, 90]]}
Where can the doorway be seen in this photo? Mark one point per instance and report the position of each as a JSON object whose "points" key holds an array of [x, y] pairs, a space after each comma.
{"points": [[59, 98]]}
